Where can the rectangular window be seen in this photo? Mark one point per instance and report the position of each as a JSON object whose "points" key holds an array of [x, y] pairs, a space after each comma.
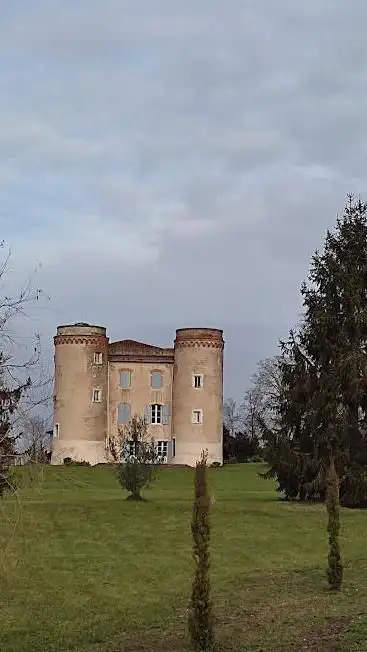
{"points": [[162, 451], [130, 447], [97, 358], [173, 446], [57, 430], [124, 413], [197, 416], [197, 381], [97, 395], [125, 378], [156, 414], [156, 380]]}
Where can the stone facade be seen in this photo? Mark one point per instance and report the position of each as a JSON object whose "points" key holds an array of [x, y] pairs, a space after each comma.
{"points": [[99, 385]]}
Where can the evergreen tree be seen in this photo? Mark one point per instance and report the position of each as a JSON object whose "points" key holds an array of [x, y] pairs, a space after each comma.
{"points": [[200, 609], [323, 399], [321, 436]]}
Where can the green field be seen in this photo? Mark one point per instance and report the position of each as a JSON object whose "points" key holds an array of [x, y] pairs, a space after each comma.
{"points": [[82, 569]]}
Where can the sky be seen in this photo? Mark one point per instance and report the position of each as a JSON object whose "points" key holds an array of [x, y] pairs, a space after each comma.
{"points": [[176, 164]]}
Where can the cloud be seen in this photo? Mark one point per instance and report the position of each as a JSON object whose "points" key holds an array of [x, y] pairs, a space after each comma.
{"points": [[174, 163]]}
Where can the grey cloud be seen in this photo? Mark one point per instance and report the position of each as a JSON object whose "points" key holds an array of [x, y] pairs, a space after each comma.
{"points": [[182, 161]]}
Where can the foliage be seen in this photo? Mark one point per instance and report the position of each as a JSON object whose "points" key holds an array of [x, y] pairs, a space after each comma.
{"points": [[335, 566], [242, 431], [9, 400], [18, 377], [260, 400], [35, 438], [321, 405], [239, 447], [136, 456], [232, 416], [200, 608], [68, 461]]}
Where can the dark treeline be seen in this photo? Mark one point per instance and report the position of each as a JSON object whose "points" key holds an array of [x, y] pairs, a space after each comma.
{"points": [[239, 448]]}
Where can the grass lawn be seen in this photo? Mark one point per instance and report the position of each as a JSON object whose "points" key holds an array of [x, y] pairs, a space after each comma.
{"points": [[84, 570]]}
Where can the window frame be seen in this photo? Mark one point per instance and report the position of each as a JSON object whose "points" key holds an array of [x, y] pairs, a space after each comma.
{"points": [[96, 391], [56, 430], [131, 446], [98, 358], [156, 412], [125, 371], [194, 377], [153, 373], [163, 445], [198, 411]]}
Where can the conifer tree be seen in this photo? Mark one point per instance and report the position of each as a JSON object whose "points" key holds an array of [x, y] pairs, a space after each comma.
{"points": [[321, 438], [200, 609]]}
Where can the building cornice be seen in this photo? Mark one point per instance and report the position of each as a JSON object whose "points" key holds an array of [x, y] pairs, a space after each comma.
{"points": [[194, 344], [148, 359], [91, 340]]}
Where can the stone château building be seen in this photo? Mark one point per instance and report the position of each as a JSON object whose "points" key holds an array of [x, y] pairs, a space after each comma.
{"points": [[100, 385]]}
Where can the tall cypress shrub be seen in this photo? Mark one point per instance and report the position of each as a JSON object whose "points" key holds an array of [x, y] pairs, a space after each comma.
{"points": [[200, 609], [335, 566]]}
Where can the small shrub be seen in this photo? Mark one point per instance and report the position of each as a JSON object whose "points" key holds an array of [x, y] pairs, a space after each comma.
{"points": [[68, 461], [255, 459], [136, 456], [215, 465]]}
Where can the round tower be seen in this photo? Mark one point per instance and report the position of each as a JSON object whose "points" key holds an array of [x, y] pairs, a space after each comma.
{"points": [[80, 394], [197, 395]]}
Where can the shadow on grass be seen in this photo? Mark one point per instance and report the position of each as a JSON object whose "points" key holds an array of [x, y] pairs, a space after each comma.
{"points": [[137, 498]]}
